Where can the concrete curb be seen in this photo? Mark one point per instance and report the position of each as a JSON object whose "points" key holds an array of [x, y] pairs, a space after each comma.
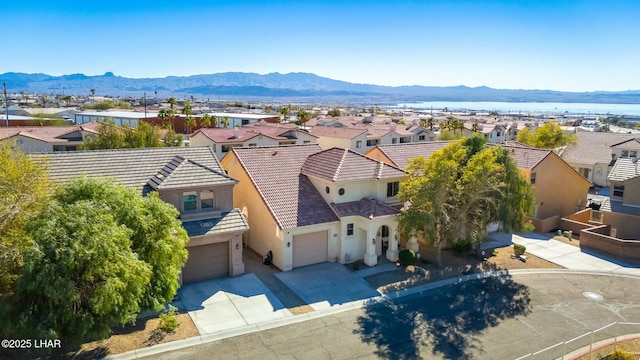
{"points": [[293, 319]]}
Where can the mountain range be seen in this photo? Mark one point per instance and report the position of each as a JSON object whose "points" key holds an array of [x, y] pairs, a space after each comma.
{"points": [[289, 87]]}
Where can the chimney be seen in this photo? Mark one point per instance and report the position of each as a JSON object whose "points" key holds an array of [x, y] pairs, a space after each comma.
{"points": [[236, 133]]}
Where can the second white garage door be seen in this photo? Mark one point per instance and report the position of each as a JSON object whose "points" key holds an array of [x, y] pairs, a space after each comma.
{"points": [[310, 248], [206, 262]]}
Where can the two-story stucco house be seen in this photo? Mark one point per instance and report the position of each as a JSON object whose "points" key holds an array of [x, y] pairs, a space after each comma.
{"points": [[558, 188], [191, 179], [308, 206], [221, 140]]}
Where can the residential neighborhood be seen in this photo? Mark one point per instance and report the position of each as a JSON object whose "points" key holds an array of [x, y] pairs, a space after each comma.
{"points": [[307, 214]]}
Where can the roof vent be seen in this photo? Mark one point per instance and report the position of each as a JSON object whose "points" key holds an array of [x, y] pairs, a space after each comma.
{"points": [[275, 152]]}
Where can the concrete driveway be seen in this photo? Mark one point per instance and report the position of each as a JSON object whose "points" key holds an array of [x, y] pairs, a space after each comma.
{"points": [[230, 303], [327, 284]]}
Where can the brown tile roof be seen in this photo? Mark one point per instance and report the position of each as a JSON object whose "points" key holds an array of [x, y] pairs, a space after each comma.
{"points": [[337, 164], [526, 157], [593, 147], [401, 154], [290, 196], [367, 208], [131, 167], [43, 133], [182, 173], [274, 131]]}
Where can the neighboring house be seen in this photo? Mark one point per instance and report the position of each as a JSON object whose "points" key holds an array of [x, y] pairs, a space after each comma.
{"points": [[121, 118], [190, 179], [594, 154], [363, 134], [261, 134], [240, 119], [495, 133], [625, 180], [558, 188], [308, 206], [35, 139]]}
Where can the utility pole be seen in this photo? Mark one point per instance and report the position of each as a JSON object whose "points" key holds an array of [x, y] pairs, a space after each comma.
{"points": [[6, 103], [145, 104]]}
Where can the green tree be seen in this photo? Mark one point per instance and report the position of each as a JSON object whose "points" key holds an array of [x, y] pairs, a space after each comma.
{"points": [[548, 136], [225, 121], [284, 111], [80, 278], [190, 123], [24, 191], [334, 112], [205, 121], [303, 116], [171, 138], [43, 119], [157, 235], [475, 127], [144, 135], [459, 191], [187, 109], [109, 136]]}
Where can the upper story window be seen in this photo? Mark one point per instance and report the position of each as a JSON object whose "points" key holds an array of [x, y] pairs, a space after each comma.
{"points": [[253, 144], [393, 188], [633, 153], [306, 142], [373, 142], [350, 229], [421, 137], [394, 140], [533, 178], [618, 190], [625, 153], [358, 144], [225, 148], [198, 200]]}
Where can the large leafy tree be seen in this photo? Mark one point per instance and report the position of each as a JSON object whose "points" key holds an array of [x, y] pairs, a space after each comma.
{"points": [[24, 191], [548, 136], [157, 235], [111, 136], [459, 191], [80, 278]]}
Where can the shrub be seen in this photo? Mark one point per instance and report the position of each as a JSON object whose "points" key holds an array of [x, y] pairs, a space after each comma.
{"points": [[169, 320], [462, 246], [494, 252], [407, 257], [620, 355], [519, 249]]}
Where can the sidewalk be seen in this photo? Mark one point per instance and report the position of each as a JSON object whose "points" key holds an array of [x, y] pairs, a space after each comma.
{"points": [[235, 306]]}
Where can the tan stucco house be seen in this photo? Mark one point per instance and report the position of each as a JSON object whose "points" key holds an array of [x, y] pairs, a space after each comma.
{"points": [[558, 188], [37, 139], [191, 179], [307, 206]]}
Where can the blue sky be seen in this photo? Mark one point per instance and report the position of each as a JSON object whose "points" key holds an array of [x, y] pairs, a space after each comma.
{"points": [[567, 45]]}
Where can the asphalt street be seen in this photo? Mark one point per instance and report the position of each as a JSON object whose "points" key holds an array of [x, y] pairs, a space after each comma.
{"points": [[492, 318]]}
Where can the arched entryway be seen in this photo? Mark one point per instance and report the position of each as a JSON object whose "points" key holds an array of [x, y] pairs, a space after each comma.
{"points": [[382, 240]]}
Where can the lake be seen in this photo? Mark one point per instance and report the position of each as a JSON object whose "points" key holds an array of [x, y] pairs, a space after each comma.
{"points": [[535, 108]]}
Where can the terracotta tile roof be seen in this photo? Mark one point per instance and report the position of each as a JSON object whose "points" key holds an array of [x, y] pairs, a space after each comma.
{"points": [[337, 132], [290, 196], [43, 133], [401, 154], [181, 173], [367, 208], [131, 167], [594, 147], [624, 169], [274, 131], [337, 164], [229, 221]]}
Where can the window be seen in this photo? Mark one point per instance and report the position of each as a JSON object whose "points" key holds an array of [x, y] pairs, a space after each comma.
{"points": [[404, 140], [206, 200], [349, 229], [358, 144], [421, 137], [190, 201], [618, 190], [341, 191], [392, 188], [373, 142], [306, 142], [394, 140], [633, 153], [625, 153], [533, 178], [253, 144], [245, 122], [225, 148]]}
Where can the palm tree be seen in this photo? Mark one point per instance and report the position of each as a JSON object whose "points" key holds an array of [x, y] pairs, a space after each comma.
{"points": [[93, 96], [285, 112], [225, 121], [186, 108], [205, 121], [430, 123], [475, 127], [190, 123]]}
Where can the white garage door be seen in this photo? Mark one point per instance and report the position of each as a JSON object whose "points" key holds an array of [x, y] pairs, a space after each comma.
{"points": [[206, 262], [310, 248]]}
